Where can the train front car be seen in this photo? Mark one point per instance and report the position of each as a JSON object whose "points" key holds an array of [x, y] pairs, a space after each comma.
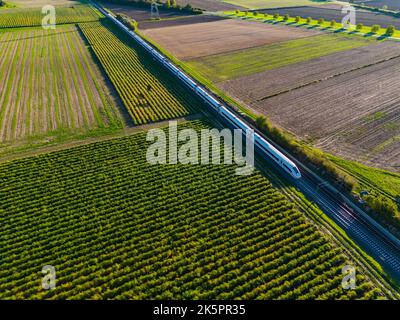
{"points": [[294, 171]]}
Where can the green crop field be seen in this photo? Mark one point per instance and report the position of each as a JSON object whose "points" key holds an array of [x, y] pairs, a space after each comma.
{"points": [[231, 65], [50, 85], [263, 4], [114, 226], [33, 17], [148, 91]]}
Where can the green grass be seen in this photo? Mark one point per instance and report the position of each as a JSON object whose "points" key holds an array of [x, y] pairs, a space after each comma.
{"points": [[263, 4], [116, 227], [244, 62], [371, 178]]}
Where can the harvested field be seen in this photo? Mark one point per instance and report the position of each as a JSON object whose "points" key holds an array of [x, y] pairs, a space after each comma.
{"points": [[245, 62], [50, 84], [355, 115], [203, 18], [209, 5], [204, 39], [139, 13], [391, 4], [260, 4], [367, 18], [259, 86]]}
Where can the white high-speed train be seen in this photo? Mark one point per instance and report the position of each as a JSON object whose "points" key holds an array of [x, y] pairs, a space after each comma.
{"points": [[265, 147]]}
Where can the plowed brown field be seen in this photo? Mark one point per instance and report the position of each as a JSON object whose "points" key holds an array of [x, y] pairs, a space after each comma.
{"points": [[203, 39], [355, 114], [262, 85]]}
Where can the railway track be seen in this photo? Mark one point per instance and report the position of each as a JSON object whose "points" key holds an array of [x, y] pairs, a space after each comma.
{"points": [[364, 231], [380, 246]]}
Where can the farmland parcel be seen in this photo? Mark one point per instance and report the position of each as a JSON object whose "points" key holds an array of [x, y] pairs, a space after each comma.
{"points": [[50, 84], [148, 91], [248, 61], [204, 39], [116, 227]]}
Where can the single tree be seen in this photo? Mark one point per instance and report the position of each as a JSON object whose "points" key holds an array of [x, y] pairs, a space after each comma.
{"points": [[286, 17], [308, 20], [297, 19], [389, 30], [333, 23], [375, 28], [276, 16], [321, 20], [359, 26]]}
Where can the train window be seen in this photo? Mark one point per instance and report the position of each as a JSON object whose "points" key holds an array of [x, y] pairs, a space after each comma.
{"points": [[295, 170], [271, 154]]}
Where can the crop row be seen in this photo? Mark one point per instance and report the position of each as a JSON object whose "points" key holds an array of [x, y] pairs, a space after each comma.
{"points": [[149, 93], [34, 17], [117, 227], [50, 83]]}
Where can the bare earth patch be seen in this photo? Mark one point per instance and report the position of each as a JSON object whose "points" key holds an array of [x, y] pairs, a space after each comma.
{"points": [[204, 39], [209, 5], [182, 21], [355, 115], [255, 87], [141, 14]]}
